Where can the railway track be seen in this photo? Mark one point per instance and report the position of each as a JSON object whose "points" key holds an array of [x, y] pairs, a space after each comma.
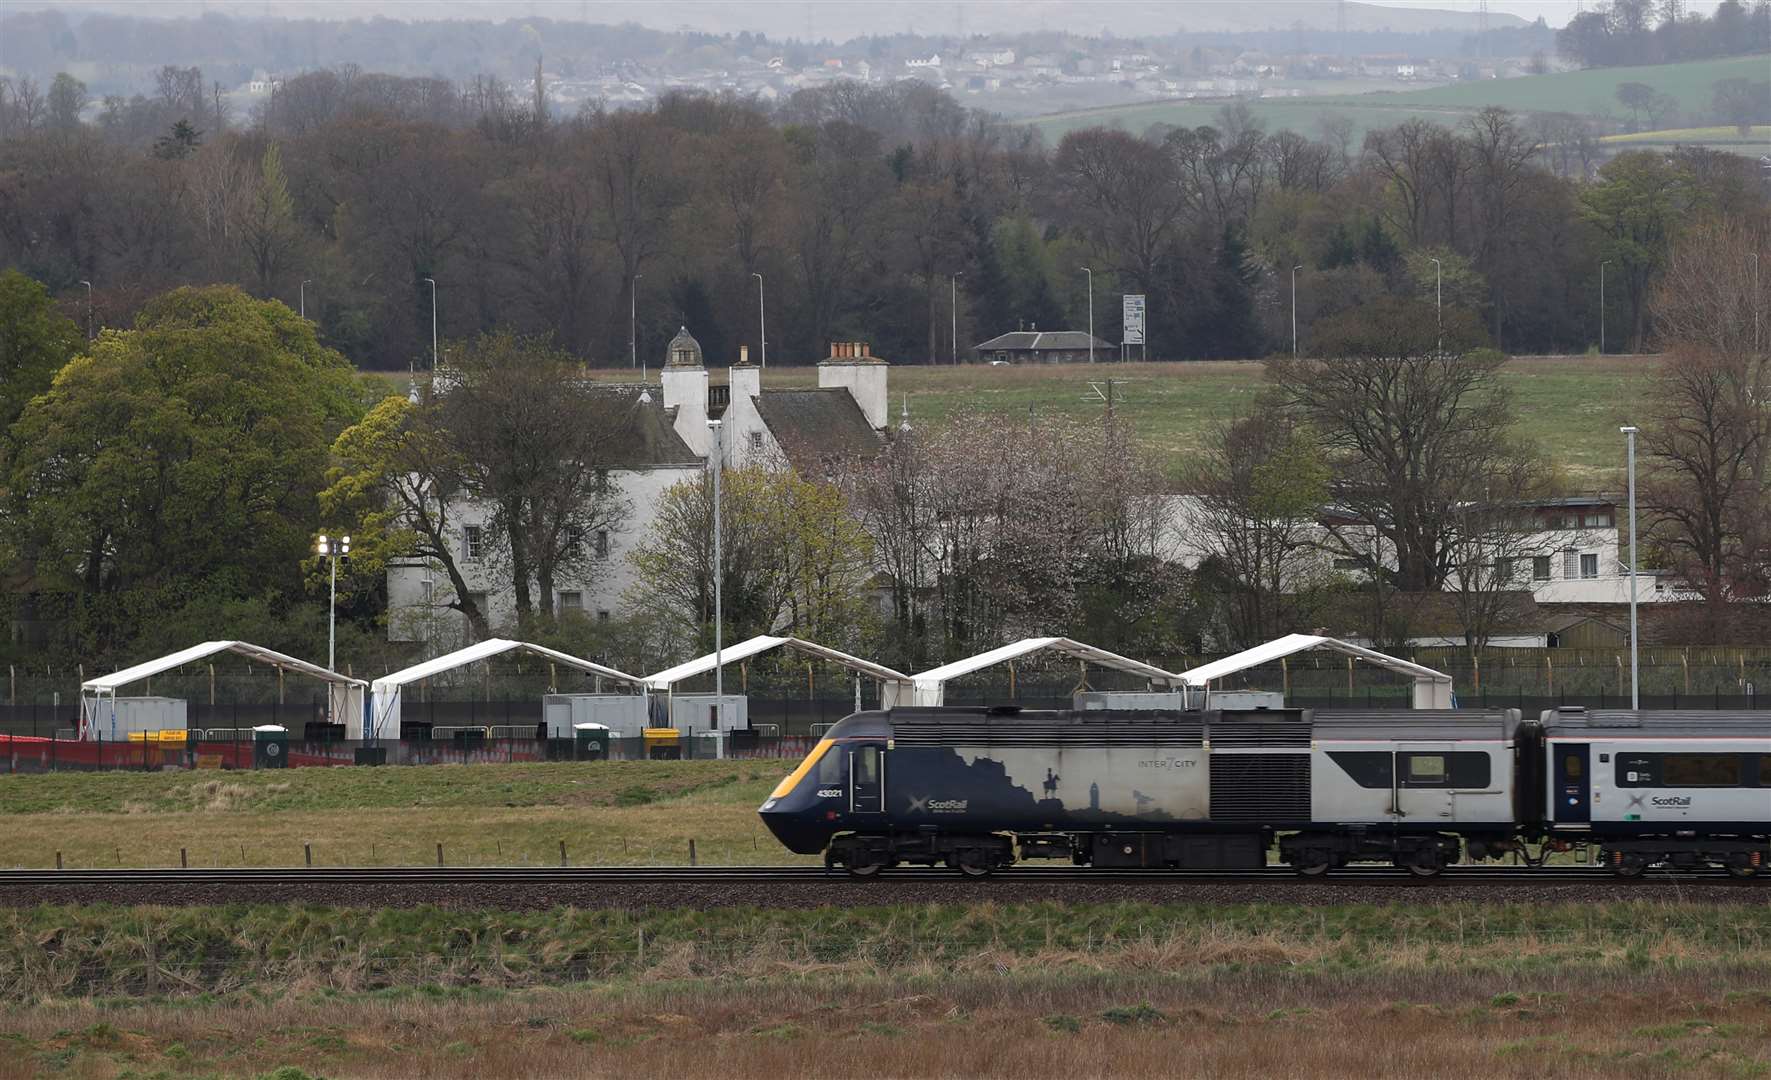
{"points": [[296, 876]]}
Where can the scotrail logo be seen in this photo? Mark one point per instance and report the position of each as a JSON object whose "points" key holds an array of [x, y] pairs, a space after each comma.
{"points": [[925, 805]]}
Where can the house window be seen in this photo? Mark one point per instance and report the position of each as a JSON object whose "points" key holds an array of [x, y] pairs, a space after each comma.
{"points": [[1599, 520], [476, 541], [571, 601], [602, 616], [756, 442], [1540, 568], [1589, 566], [1570, 565]]}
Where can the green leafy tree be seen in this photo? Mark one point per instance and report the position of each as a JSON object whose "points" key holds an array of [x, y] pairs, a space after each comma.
{"points": [[187, 450], [794, 558], [35, 341], [1636, 207]]}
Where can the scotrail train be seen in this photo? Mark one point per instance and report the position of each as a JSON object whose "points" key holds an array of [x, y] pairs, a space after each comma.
{"points": [[977, 789]]}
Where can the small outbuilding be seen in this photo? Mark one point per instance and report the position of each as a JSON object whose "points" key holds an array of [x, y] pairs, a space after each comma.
{"points": [[1044, 347]]}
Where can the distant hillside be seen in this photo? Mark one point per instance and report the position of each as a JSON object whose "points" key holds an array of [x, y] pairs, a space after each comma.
{"points": [[1585, 93], [839, 20]]}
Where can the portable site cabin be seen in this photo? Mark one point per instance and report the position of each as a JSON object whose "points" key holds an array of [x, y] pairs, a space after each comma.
{"points": [[104, 714], [618, 711]]}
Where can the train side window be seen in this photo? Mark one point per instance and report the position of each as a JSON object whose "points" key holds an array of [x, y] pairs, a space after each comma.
{"points": [[830, 766], [1700, 770], [867, 766], [1426, 768], [1765, 770]]}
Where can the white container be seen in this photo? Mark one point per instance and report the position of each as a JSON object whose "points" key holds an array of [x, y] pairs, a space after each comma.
{"points": [[120, 716], [695, 712], [623, 714]]}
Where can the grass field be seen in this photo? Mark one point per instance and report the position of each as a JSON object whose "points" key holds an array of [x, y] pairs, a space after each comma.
{"points": [[1572, 405], [1756, 141], [1263, 990], [608, 813], [1579, 92]]}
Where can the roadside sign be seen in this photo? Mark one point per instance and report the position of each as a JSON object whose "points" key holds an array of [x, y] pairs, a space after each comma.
{"points": [[1133, 321]]}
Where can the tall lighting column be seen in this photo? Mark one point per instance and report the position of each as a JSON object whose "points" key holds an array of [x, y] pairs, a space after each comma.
{"points": [[1091, 312], [762, 320], [1602, 267], [333, 550], [1294, 311], [953, 310], [1629, 433], [433, 322], [717, 462], [88, 285], [633, 348], [1439, 301]]}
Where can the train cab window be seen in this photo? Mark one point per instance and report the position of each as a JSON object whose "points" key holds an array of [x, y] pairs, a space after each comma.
{"points": [[830, 767], [867, 765], [1426, 768], [1700, 770], [1572, 766]]}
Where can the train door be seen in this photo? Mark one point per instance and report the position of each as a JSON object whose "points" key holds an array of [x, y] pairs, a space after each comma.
{"points": [[1571, 783], [1422, 793], [866, 780]]}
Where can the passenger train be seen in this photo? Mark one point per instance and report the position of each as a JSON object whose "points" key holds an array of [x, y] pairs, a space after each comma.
{"points": [[977, 789]]}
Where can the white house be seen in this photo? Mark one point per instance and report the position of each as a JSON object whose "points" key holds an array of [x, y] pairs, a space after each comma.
{"points": [[660, 437]]}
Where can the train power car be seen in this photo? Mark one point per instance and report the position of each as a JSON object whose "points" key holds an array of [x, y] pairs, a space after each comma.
{"points": [[975, 789], [1680, 789]]}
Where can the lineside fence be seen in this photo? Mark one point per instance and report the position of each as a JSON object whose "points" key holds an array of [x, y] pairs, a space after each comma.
{"points": [[29, 754]]}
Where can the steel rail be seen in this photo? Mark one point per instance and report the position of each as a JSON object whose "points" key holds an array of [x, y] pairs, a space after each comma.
{"points": [[800, 875]]}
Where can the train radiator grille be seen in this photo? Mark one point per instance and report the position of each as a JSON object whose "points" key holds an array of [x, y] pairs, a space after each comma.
{"points": [[1260, 787]]}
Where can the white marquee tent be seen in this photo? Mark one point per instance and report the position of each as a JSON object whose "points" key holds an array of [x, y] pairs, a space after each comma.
{"points": [[931, 685], [344, 692], [892, 683], [1432, 689], [387, 691]]}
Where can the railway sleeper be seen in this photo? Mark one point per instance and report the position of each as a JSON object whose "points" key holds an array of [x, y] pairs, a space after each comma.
{"points": [[865, 854], [1314, 853], [1742, 858]]}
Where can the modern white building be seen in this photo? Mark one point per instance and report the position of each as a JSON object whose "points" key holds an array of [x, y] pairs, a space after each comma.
{"points": [[660, 438]]}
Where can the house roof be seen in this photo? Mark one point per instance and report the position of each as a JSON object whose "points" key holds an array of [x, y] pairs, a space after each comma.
{"points": [[638, 432], [1040, 341], [815, 426]]}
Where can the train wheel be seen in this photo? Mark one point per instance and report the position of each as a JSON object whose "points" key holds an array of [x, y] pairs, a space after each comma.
{"points": [[1739, 871], [1426, 869], [1627, 866], [864, 870], [1314, 868], [973, 864]]}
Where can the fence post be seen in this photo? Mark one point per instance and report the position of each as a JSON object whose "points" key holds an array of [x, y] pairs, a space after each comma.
{"points": [[562, 853], [307, 855], [439, 854], [183, 862], [691, 851]]}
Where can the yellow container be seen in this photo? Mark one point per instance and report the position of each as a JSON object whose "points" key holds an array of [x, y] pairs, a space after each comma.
{"points": [[662, 736]]}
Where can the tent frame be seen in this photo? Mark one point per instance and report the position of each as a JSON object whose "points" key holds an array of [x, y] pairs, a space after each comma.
{"points": [[931, 685], [94, 690], [386, 692], [892, 683], [1432, 689]]}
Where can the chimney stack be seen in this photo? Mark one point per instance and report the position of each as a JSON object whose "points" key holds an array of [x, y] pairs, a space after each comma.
{"points": [[744, 354]]}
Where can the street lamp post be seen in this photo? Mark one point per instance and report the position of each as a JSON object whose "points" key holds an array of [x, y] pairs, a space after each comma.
{"points": [[1091, 312], [333, 550], [1602, 267], [1754, 256], [88, 285], [433, 323], [717, 462], [1294, 311], [304, 284], [1629, 433], [1439, 301], [633, 348], [953, 311], [762, 320]]}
